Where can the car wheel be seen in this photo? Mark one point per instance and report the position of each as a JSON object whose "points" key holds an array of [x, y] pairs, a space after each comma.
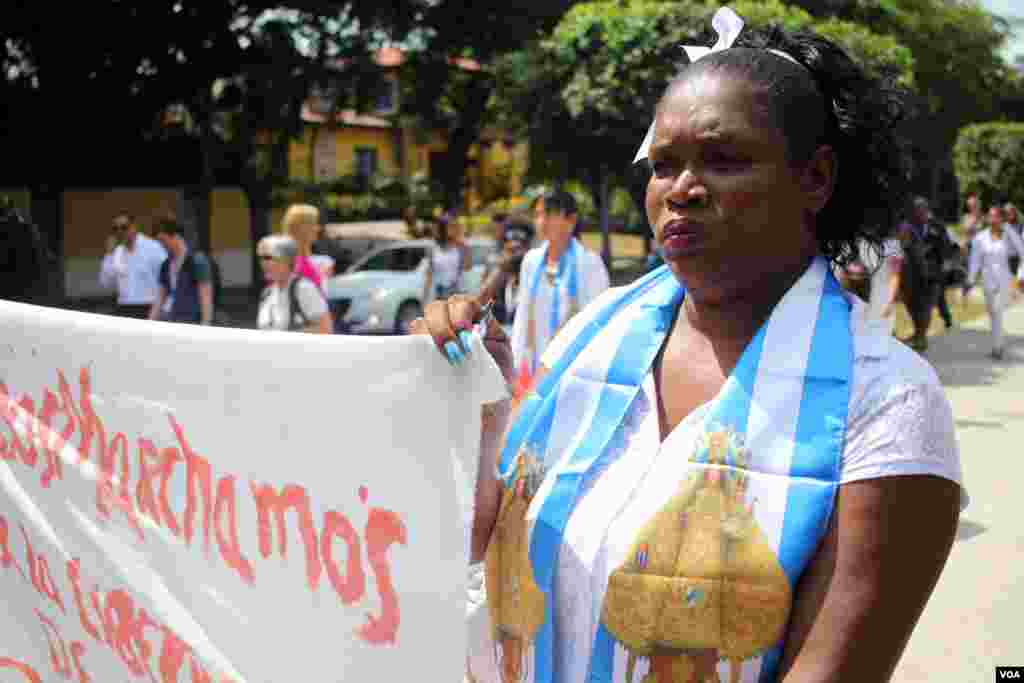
{"points": [[407, 312]]}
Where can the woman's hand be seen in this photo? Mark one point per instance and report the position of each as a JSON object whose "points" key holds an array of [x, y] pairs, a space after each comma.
{"points": [[450, 323]]}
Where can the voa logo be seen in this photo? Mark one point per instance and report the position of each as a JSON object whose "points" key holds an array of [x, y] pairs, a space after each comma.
{"points": [[1009, 675]]}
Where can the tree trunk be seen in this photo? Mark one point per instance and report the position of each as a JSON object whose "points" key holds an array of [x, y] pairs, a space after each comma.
{"points": [[462, 138], [602, 206], [636, 182], [47, 215], [198, 195], [258, 197]]}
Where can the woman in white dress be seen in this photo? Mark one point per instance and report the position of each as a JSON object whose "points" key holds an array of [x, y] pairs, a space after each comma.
{"points": [[448, 260], [290, 301], [722, 473], [991, 251]]}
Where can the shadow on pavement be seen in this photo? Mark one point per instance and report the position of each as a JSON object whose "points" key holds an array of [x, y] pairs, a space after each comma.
{"points": [[981, 424], [968, 530], [961, 357]]}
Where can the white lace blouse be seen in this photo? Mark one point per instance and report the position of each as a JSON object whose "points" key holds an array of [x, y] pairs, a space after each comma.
{"points": [[899, 423]]}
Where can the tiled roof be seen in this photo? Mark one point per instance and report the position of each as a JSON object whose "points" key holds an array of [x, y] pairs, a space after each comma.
{"points": [[348, 117]]}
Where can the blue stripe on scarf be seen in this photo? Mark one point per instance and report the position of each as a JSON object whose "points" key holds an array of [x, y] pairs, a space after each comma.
{"points": [[732, 410], [543, 396], [820, 436], [632, 360]]}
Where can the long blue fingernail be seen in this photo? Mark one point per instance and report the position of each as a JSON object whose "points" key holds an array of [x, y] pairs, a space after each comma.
{"points": [[455, 356], [467, 341]]}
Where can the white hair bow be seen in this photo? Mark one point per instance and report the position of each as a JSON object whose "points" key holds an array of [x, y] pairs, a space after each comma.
{"points": [[727, 25]]}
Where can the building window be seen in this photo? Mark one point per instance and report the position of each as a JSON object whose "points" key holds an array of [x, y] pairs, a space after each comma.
{"points": [[366, 163], [385, 97]]}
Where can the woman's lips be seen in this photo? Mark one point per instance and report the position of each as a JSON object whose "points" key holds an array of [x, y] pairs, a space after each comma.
{"points": [[681, 238]]}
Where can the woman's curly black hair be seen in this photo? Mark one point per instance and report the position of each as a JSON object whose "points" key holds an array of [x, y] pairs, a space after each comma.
{"points": [[827, 98]]}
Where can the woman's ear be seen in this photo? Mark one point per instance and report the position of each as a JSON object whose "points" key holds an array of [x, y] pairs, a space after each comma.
{"points": [[819, 177]]}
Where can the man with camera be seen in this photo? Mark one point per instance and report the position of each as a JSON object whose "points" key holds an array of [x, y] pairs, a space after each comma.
{"points": [[501, 281], [132, 265]]}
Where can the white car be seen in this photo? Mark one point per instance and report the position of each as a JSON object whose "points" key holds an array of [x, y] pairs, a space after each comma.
{"points": [[382, 293]]}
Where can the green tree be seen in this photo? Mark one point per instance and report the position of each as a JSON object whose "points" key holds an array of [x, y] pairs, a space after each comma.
{"points": [[587, 91], [450, 77], [960, 76], [989, 160]]}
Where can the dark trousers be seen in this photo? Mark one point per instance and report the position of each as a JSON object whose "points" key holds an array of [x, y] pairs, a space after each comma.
{"points": [[943, 305], [140, 311]]}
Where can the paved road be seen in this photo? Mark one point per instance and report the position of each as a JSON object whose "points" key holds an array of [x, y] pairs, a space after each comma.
{"points": [[975, 619]]}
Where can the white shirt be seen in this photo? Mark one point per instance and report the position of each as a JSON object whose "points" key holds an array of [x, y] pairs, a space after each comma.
{"points": [[880, 266], [275, 307], [990, 258], [447, 266], [899, 423], [135, 273], [593, 281]]}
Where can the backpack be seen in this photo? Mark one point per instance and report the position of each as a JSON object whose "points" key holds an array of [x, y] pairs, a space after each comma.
{"points": [[294, 307], [215, 278]]}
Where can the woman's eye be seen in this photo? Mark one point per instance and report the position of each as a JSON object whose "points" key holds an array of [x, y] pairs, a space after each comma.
{"points": [[725, 161], [661, 168]]}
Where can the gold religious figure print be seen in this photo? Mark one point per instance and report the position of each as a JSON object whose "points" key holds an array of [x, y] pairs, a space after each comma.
{"points": [[700, 582], [514, 600]]}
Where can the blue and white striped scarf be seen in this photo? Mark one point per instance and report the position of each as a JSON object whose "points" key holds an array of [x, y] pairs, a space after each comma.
{"points": [[783, 408]]}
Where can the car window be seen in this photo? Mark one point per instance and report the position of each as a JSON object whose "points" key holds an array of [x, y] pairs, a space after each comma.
{"points": [[400, 259]]}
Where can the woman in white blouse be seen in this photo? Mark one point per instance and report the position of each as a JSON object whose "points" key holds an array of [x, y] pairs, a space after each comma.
{"points": [[991, 250], [722, 471], [290, 301]]}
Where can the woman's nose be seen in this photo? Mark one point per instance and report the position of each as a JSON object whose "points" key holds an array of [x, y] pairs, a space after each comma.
{"points": [[687, 191]]}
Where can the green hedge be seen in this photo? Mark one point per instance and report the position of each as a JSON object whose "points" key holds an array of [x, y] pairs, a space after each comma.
{"points": [[989, 159]]}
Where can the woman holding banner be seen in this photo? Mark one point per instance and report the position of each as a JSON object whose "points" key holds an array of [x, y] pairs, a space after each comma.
{"points": [[723, 472]]}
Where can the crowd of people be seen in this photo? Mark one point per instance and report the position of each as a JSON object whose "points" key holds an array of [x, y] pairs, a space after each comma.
{"points": [[923, 260]]}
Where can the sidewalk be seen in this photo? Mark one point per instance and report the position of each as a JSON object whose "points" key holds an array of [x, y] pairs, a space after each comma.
{"points": [[973, 622]]}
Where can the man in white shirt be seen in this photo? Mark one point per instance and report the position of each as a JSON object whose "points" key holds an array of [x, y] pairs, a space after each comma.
{"points": [[132, 265]]}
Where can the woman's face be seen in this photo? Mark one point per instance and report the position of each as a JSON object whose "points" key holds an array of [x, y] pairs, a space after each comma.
{"points": [[995, 216], [275, 271], [306, 233], [972, 203], [727, 207]]}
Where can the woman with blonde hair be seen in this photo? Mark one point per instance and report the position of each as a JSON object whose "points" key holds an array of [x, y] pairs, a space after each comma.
{"points": [[290, 301], [301, 222]]}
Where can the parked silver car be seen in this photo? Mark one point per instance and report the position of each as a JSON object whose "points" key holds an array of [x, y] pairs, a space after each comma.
{"points": [[382, 293]]}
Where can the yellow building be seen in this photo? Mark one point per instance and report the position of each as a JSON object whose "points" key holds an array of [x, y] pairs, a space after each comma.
{"points": [[370, 143]]}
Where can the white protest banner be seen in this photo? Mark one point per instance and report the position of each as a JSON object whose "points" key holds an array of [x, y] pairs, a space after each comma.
{"points": [[181, 503]]}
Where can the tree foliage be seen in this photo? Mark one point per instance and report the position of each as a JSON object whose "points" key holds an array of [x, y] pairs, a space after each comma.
{"points": [[587, 91], [989, 160]]}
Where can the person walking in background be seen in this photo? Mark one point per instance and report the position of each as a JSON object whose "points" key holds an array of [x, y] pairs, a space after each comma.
{"points": [[186, 280], [501, 281], [925, 246], [301, 222], [290, 301], [557, 280], [1012, 223], [972, 222], [449, 259], [990, 259], [885, 268], [132, 266]]}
